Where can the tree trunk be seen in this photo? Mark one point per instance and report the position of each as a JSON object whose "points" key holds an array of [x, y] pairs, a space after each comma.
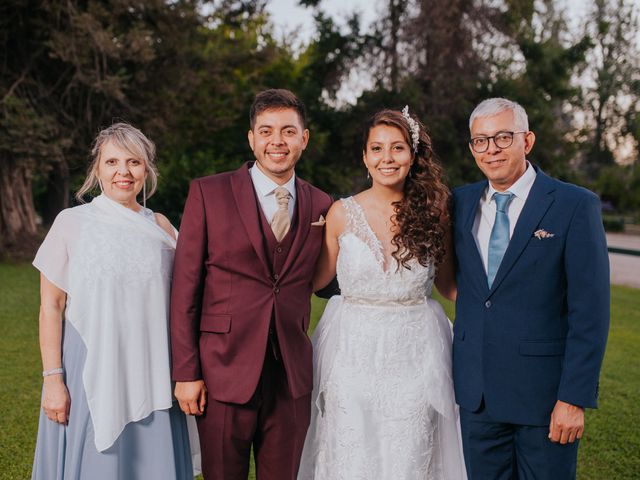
{"points": [[394, 13], [18, 228], [57, 196]]}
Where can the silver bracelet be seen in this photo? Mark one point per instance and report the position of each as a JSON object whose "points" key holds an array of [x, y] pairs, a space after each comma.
{"points": [[54, 371]]}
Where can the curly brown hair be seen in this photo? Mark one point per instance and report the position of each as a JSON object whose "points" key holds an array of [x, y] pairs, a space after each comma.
{"points": [[426, 197]]}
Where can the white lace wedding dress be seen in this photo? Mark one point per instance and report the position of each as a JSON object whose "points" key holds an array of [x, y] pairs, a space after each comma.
{"points": [[383, 405]]}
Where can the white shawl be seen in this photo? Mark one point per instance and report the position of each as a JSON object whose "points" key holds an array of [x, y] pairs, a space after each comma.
{"points": [[115, 267]]}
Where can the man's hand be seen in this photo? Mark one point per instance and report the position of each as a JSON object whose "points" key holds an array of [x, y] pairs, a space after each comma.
{"points": [[192, 396], [567, 423]]}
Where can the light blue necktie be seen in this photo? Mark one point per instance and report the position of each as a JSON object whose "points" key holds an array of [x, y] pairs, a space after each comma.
{"points": [[499, 240]]}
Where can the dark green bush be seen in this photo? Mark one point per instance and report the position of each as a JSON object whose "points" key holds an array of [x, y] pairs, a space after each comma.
{"points": [[613, 223]]}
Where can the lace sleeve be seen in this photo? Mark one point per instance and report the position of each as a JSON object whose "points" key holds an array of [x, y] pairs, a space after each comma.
{"points": [[350, 213], [357, 225]]}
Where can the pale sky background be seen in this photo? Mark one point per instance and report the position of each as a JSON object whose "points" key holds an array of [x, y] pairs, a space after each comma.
{"points": [[289, 17], [295, 24]]}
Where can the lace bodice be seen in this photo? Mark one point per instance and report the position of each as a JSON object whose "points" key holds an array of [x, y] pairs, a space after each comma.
{"points": [[361, 266], [383, 405]]}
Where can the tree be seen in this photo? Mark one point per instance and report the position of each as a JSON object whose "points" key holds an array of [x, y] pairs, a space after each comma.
{"points": [[611, 92], [38, 146], [233, 57], [29, 136], [542, 80], [69, 68], [447, 68], [320, 71]]}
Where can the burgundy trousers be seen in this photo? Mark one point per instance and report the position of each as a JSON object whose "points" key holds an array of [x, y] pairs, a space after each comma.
{"points": [[272, 422]]}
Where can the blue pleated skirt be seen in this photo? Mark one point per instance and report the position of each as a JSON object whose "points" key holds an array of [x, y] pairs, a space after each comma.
{"points": [[156, 447]]}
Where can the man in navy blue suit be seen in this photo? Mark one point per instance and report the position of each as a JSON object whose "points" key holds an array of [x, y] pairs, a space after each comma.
{"points": [[532, 312]]}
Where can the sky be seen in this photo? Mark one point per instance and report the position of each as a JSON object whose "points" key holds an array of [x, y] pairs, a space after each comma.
{"points": [[295, 24], [289, 17]]}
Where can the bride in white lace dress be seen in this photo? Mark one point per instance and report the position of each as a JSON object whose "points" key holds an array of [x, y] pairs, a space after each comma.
{"points": [[383, 404]]}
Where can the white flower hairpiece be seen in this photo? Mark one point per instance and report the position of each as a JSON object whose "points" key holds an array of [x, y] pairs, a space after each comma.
{"points": [[413, 126]]}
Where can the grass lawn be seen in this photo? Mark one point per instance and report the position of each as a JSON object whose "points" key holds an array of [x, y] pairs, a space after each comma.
{"points": [[610, 447]]}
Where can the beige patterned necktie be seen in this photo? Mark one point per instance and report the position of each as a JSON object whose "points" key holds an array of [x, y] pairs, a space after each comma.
{"points": [[281, 222]]}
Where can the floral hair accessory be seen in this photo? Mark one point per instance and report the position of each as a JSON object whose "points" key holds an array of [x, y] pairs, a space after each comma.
{"points": [[413, 126]]}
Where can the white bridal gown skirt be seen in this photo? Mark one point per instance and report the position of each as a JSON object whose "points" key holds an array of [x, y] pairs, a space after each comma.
{"points": [[383, 405]]}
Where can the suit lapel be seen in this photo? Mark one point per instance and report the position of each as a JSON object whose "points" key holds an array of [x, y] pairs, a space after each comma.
{"points": [[537, 204], [476, 266], [244, 195], [303, 206]]}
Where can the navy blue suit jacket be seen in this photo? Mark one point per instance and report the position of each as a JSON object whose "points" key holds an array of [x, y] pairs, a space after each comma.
{"points": [[539, 334]]}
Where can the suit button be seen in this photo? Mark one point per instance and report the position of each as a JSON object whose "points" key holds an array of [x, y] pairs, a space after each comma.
{"points": [[276, 276], [487, 304], [276, 290], [279, 250]]}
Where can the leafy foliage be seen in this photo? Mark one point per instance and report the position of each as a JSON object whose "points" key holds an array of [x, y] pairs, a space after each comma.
{"points": [[186, 71], [611, 84]]}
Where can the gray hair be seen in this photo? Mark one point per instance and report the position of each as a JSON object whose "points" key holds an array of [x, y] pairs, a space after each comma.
{"points": [[494, 106], [133, 141]]}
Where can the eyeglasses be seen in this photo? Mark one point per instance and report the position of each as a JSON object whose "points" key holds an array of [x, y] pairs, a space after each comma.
{"points": [[500, 139]]}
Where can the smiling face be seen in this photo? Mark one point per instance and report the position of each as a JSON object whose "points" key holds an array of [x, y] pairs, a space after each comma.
{"points": [[388, 156], [121, 174], [278, 139], [502, 166]]}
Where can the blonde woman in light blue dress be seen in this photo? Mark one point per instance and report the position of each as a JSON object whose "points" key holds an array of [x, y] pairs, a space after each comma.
{"points": [[107, 408]]}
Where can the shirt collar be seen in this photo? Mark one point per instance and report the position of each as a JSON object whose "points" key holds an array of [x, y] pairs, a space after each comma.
{"points": [[265, 186], [521, 187]]}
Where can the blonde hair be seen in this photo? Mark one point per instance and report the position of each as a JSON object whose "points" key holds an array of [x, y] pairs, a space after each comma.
{"points": [[133, 141]]}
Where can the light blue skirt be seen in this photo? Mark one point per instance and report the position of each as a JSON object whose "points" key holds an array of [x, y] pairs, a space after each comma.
{"points": [[155, 447]]}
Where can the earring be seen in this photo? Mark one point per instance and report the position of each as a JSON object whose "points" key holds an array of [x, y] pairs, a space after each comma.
{"points": [[144, 193], [368, 175]]}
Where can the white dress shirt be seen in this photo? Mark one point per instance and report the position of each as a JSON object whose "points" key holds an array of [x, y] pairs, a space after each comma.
{"points": [[486, 214], [265, 191]]}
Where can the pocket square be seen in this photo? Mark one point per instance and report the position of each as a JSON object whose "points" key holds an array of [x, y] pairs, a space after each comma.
{"points": [[321, 221], [542, 234]]}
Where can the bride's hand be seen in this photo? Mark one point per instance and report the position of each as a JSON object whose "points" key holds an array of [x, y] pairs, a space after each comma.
{"points": [[55, 400]]}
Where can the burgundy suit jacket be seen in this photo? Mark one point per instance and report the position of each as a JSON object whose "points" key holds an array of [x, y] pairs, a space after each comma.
{"points": [[224, 294]]}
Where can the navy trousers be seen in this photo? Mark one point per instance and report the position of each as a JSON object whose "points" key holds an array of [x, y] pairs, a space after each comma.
{"points": [[505, 451]]}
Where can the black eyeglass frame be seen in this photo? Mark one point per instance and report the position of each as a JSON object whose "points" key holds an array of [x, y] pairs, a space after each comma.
{"points": [[493, 137]]}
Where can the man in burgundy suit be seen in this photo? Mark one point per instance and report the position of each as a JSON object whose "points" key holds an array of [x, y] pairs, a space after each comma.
{"points": [[240, 302]]}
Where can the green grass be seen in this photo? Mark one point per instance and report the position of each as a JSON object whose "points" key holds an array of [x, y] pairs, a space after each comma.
{"points": [[610, 448], [20, 368]]}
